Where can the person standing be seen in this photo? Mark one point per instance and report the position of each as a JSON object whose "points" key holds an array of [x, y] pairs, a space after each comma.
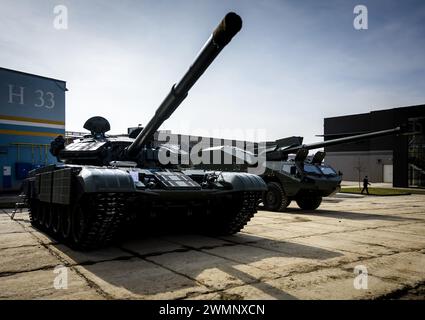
{"points": [[365, 185]]}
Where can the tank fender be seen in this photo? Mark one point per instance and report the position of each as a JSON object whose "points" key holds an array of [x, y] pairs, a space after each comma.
{"points": [[105, 180], [244, 181]]}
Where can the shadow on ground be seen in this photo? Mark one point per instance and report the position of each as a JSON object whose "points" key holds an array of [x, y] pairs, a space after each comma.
{"points": [[350, 215], [178, 265]]}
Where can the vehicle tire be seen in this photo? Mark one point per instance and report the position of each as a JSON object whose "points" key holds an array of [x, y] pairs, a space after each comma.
{"points": [[275, 199], [309, 203]]}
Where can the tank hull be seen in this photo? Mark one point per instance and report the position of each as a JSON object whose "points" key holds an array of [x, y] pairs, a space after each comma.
{"points": [[86, 207]]}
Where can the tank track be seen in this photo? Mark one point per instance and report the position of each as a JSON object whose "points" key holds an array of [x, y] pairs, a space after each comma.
{"points": [[104, 216], [31, 215], [106, 212], [232, 222], [248, 210]]}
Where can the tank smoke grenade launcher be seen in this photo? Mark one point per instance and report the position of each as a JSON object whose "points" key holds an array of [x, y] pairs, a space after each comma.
{"points": [[104, 182]]}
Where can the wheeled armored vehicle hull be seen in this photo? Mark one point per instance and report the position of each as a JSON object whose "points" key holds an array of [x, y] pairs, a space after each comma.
{"points": [[103, 182], [305, 179]]}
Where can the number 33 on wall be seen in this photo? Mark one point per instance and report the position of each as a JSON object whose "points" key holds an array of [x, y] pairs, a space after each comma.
{"points": [[42, 98], [46, 100]]}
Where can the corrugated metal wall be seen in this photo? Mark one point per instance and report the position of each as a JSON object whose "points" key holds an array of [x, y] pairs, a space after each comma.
{"points": [[32, 113]]}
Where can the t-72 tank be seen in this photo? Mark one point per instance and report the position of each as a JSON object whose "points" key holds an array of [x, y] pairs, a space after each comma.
{"points": [[104, 180]]}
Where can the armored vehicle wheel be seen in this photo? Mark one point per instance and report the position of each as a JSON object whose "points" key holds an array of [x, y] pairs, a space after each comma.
{"points": [[275, 199], [309, 203], [232, 215]]}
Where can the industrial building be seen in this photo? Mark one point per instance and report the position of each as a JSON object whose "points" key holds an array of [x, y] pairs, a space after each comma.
{"points": [[394, 159], [32, 113]]}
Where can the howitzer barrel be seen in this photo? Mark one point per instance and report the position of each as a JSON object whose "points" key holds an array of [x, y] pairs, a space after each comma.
{"points": [[359, 137], [225, 31]]}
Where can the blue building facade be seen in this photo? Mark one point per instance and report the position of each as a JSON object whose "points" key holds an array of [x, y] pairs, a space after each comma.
{"points": [[32, 114]]}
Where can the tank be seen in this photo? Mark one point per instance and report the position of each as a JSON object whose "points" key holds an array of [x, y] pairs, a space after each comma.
{"points": [[103, 181], [291, 174]]}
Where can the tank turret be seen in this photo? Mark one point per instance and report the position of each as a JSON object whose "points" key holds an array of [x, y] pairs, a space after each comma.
{"points": [[98, 149]]}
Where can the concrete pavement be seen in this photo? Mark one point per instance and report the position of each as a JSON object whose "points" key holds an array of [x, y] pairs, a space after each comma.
{"points": [[290, 255]]}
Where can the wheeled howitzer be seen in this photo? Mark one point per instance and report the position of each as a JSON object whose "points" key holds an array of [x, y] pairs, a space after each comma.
{"points": [[105, 181], [301, 178], [304, 178]]}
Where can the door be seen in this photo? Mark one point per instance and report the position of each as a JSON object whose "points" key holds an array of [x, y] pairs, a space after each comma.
{"points": [[388, 173]]}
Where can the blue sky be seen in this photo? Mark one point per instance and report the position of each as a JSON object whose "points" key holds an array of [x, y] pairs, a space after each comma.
{"points": [[293, 63]]}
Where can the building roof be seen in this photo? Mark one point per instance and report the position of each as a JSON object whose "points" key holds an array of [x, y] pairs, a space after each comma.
{"points": [[31, 74], [382, 110]]}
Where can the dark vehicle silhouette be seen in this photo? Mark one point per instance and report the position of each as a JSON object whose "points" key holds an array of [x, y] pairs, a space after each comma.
{"points": [[291, 174], [104, 181]]}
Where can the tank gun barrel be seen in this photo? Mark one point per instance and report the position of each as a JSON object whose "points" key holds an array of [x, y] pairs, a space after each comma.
{"points": [[221, 36]]}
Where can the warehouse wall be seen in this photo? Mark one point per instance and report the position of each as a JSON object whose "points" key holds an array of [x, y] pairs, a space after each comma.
{"points": [[32, 113], [371, 164], [376, 120]]}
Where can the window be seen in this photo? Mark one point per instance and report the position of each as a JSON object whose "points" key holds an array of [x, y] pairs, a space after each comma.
{"points": [[328, 171], [309, 168]]}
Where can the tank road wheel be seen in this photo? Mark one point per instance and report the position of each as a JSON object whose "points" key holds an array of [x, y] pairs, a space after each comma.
{"points": [[232, 215], [65, 223], [34, 213], [309, 203], [79, 224], [275, 199], [56, 219], [44, 215], [47, 216], [95, 220]]}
